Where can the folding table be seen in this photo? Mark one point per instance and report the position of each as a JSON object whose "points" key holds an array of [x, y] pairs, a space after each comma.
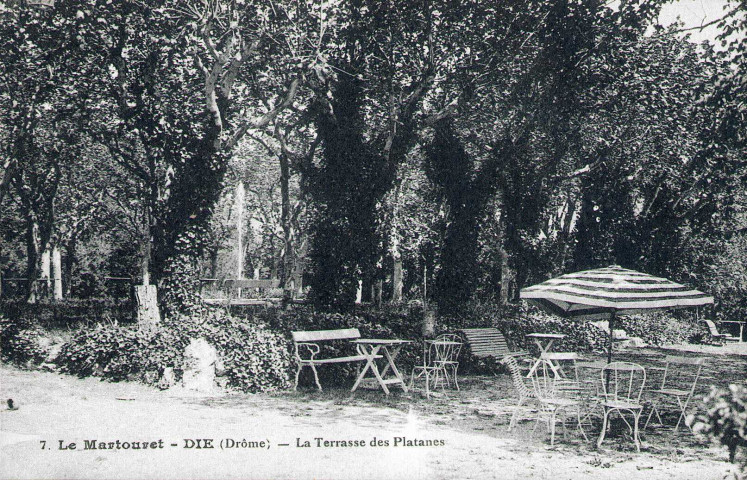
{"points": [[370, 348], [544, 341]]}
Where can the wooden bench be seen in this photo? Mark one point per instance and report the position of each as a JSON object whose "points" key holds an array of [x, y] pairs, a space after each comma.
{"points": [[233, 291], [309, 340], [489, 342]]}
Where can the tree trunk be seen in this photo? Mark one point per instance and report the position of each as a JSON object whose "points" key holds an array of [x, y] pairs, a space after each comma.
{"points": [[376, 288], [213, 262], [57, 272], [397, 279], [32, 254], [506, 277], [359, 292], [285, 220], [69, 265], [429, 321], [148, 315], [239, 209], [45, 271], [145, 262]]}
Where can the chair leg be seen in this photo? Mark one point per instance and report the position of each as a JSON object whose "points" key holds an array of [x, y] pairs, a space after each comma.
{"points": [[683, 410], [427, 385], [604, 428], [630, 427], [515, 415], [456, 383], [413, 376], [438, 380], [648, 419], [636, 437], [654, 410], [552, 427], [580, 427]]}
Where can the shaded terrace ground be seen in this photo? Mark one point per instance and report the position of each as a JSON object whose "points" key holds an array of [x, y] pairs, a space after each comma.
{"points": [[471, 423]]}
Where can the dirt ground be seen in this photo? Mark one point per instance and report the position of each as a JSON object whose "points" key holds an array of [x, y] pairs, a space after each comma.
{"points": [[454, 435]]}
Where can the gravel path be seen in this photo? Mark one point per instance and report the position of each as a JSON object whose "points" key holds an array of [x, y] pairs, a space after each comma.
{"points": [[56, 411]]}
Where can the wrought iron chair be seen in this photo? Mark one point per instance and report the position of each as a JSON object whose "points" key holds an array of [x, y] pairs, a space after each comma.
{"points": [[686, 370], [622, 387], [440, 363], [556, 396]]}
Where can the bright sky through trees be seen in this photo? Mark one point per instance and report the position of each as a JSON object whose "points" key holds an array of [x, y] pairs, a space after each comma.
{"points": [[694, 13]]}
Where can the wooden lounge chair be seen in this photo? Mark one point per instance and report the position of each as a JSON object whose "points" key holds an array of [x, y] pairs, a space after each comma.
{"points": [[489, 342], [716, 336]]}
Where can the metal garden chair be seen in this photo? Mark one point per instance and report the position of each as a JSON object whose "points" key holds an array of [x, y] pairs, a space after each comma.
{"points": [[622, 387], [556, 396], [440, 363], [686, 370]]}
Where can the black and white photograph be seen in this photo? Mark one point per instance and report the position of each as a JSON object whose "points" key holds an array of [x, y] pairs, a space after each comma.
{"points": [[373, 239]]}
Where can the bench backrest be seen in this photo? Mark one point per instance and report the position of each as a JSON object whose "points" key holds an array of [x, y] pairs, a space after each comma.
{"points": [[487, 342], [250, 283], [322, 335]]}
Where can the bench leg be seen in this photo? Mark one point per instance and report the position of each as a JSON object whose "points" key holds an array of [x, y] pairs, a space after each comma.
{"points": [[298, 373], [316, 377]]}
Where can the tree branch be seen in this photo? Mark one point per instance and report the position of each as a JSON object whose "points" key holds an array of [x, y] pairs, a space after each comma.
{"points": [[265, 119]]}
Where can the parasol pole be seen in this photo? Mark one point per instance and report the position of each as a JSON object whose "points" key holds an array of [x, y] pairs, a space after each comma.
{"points": [[609, 351], [612, 326]]}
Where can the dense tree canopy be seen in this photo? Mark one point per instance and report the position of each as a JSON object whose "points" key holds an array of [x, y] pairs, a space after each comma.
{"points": [[435, 149]]}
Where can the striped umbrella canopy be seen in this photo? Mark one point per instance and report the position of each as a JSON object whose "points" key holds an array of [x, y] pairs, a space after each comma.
{"points": [[605, 293]]}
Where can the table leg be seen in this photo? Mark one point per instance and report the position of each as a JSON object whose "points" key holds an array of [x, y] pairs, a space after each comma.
{"points": [[390, 359], [539, 360], [391, 356], [369, 361], [370, 364]]}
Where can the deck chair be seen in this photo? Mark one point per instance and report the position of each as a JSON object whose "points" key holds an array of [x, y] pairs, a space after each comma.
{"points": [[715, 335], [622, 385], [686, 370], [489, 342], [526, 394]]}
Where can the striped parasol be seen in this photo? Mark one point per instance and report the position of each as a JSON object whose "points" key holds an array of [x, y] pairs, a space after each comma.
{"points": [[605, 293]]}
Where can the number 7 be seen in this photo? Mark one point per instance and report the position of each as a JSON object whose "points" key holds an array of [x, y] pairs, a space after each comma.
{"points": [[44, 443]]}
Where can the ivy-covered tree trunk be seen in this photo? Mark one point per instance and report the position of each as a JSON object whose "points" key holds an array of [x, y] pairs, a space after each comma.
{"points": [[450, 168], [345, 191]]}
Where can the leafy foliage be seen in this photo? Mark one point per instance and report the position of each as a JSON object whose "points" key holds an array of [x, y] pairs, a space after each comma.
{"points": [[70, 313], [19, 342], [725, 420], [120, 353], [254, 358], [662, 328]]}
